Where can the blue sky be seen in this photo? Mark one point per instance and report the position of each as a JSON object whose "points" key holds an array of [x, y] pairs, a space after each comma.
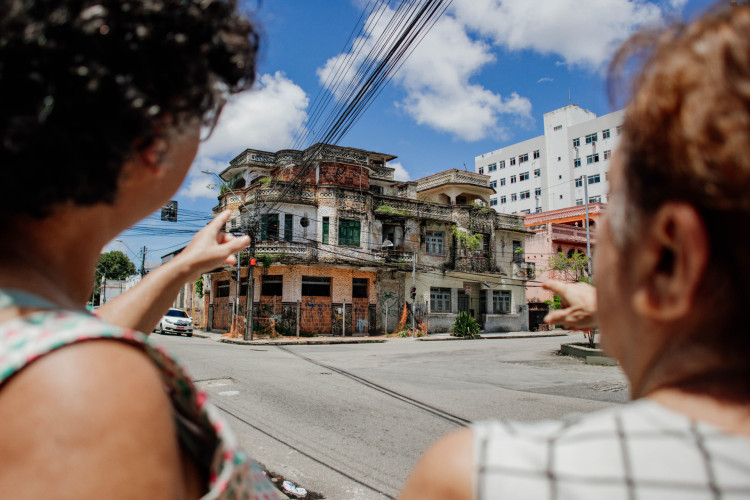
{"points": [[480, 80]]}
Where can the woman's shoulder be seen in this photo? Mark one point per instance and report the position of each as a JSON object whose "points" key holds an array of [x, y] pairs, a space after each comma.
{"points": [[81, 417]]}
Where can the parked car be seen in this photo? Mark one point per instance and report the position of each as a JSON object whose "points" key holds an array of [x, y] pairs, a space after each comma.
{"points": [[176, 321]]}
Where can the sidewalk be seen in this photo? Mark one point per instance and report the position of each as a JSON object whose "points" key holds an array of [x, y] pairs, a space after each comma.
{"points": [[218, 337]]}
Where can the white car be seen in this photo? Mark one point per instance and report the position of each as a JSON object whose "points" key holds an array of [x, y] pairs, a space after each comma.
{"points": [[176, 321]]}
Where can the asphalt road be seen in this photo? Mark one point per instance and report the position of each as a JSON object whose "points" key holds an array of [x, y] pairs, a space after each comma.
{"points": [[350, 421]]}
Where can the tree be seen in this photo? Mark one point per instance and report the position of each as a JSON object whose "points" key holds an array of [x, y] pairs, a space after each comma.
{"points": [[574, 267], [115, 265]]}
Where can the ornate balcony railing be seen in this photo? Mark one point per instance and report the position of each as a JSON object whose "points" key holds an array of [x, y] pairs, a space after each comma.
{"points": [[453, 177], [280, 250]]}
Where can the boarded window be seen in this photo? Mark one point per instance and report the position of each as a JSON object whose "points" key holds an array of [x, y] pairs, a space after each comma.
{"points": [[271, 285], [359, 288], [316, 286], [349, 232], [222, 288]]}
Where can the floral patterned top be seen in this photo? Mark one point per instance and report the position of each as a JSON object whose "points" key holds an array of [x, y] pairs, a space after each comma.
{"points": [[201, 429]]}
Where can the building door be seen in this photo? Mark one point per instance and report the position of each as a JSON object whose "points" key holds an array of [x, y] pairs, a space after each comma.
{"points": [[463, 302]]}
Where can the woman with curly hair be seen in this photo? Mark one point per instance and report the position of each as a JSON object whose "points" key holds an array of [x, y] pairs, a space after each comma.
{"points": [[103, 106]]}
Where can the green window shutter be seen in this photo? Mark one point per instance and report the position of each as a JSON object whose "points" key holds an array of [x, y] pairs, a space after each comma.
{"points": [[325, 230], [288, 219], [349, 232]]}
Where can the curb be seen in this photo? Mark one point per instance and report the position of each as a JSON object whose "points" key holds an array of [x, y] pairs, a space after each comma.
{"points": [[495, 337], [300, 342]]}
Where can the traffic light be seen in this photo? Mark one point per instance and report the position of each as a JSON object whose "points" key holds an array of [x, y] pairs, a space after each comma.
{"points": [[253, 262], [413, 292]]}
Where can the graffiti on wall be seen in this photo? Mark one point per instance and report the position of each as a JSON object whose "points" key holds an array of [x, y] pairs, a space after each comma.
{"points": [[389, 306]]}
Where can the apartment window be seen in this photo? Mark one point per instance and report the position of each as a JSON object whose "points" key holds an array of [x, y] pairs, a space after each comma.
{"points": [[592, 138], [440, 300], [524, 176], [493, 184], [595, 199], [606, 176], [536, 154], [512, 179], [271, 285], [557, 128], [579, 201], [502, 163], [517, 251], [288, 220], [500, 302], [523, 158], [592, 159], [493, 202], [577, 162], [222, 288], [503, 199], [316, 286], [525, 195], [605, 134], [359, 288], [269, 228], [349, 232], [492, 167], [514, 197], [435, 243], [502, 181], [594, 179], [326, 226], [579, 182], [481, 170], [513, 161], [608, 154], [537, 172], [576, 142], [538, 192]]}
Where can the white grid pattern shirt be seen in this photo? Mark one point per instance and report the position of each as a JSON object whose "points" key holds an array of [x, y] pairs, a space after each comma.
{"points": [[639, 451]]}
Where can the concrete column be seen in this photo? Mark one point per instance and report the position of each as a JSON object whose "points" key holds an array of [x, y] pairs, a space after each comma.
{"points": [[489, 302], [454, 300]]}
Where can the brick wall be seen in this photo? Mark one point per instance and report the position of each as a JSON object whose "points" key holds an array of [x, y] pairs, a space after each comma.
{"points": [[316, 315], [360, 316], [344, 175], [287, 174]]}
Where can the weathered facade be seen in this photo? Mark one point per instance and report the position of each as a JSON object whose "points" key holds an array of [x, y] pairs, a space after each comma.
{"points": [[337, 240]]}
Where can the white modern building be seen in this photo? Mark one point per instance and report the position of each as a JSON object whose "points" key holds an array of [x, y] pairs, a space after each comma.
{"points": [[547, 172]]}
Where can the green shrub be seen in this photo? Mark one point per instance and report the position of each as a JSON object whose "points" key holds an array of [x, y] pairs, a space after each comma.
{"points": [[465, 326]]}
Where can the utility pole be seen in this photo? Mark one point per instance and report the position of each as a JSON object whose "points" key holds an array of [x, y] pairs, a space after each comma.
{"points": [[588, 233], [236, 305], [143, 262], [414, 289], [251, 286]]}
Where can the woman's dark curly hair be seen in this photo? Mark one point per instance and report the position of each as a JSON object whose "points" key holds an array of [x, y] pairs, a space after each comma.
{"points": [[87, 83]]}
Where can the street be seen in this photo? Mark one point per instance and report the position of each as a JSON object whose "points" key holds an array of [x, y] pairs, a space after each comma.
{"points": [[350, 421]]}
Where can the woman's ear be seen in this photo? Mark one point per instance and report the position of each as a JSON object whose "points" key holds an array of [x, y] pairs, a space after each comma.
{"points": [[673, 258], [154, 156]]}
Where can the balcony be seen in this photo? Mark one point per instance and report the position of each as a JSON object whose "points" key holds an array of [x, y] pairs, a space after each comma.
{"points": [[523, 270], [569, 234], [281, 250], [475, 264], [453, 176], [393, 256]]}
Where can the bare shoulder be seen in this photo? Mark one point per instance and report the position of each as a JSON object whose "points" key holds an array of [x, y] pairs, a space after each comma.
{"points": [[445, 470], [93, 421]]}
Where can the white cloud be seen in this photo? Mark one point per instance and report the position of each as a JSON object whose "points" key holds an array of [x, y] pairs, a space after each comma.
{"points": [[400, 174], [545, 79], [267, 117], [436, 78], [584, 33]]}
